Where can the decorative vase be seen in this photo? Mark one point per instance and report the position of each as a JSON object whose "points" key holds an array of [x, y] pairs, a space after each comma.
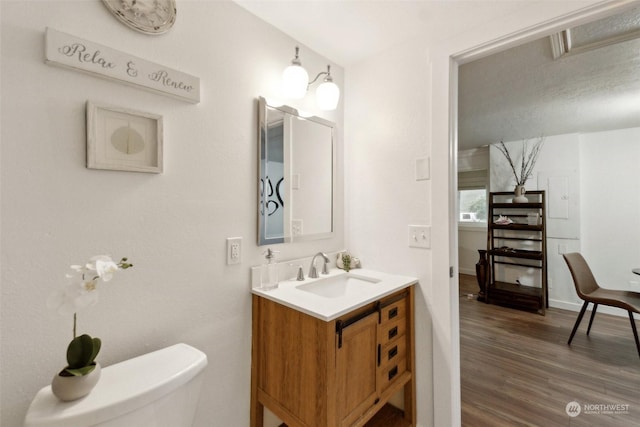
{"points": [[482, 273], [75, 387], [519, 191]]}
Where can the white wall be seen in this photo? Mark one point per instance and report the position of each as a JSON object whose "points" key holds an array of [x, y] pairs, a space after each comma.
{"points": [[470, 239], [172, 226], [386, 129], [610, 202]]}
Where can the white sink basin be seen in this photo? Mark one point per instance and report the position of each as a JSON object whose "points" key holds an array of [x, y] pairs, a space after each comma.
{"points": [[340, 286]]}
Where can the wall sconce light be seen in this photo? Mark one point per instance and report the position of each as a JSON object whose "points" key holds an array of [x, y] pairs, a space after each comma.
{"points": [[296, 84]]}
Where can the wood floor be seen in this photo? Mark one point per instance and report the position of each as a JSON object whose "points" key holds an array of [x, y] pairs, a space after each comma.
{"points": [[517, 369]]}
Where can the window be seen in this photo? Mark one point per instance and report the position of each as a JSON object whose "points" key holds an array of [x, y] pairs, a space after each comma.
{"points": [[473, 205], [472, 197]]}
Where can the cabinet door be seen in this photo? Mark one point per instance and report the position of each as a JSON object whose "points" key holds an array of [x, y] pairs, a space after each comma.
{"points": [[356, 365]]}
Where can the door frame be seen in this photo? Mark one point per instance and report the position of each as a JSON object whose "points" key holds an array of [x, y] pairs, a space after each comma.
{"points": [[546, 28]]}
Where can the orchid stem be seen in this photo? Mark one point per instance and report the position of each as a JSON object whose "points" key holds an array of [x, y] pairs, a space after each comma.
{"points": [[74, 325]]}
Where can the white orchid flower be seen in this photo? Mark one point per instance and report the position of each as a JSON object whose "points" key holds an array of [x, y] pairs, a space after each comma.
{"points": [[78, 268], [82, 290], [100, 266], [74, 297], [105, 269]]}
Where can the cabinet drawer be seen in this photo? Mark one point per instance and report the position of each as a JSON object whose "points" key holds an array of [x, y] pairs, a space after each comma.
{"points": [[393, 352], [395, 310], [392, 372], [389, 331]]}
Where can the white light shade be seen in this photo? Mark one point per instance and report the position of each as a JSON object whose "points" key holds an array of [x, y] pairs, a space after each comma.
{"points": [[295, 81], [328, 95]]}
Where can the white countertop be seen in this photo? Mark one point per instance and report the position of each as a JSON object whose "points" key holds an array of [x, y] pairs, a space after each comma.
{"points": [[324, 308]]}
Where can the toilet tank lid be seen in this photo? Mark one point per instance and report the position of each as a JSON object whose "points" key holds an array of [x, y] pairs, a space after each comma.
{"points": [[122, 388]]}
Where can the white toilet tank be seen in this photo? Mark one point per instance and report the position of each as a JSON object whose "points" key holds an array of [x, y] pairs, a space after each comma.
{"points": [[158, 389]]}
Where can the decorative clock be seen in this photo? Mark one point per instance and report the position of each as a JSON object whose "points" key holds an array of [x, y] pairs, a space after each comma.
{"points": [[146, 16]]}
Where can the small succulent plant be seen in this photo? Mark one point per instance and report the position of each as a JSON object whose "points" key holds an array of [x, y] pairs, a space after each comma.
{"points": [[346, 262], [81, 355]]}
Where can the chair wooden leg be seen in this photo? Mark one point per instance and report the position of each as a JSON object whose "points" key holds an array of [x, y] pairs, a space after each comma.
{"points": [[578, 320], [593, 314], [635, 331]]}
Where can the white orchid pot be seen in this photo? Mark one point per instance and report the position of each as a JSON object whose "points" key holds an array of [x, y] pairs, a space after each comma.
{"points": [[75, 387]]}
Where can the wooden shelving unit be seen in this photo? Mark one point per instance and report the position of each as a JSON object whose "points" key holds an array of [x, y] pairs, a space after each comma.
{"points": [[519, 246]]}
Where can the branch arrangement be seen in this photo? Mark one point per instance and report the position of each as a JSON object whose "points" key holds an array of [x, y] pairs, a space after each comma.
{"points": [[528, 159]]}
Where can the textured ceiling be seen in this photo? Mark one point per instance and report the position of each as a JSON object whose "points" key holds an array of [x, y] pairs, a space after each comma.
{"points": [[523, 93]]}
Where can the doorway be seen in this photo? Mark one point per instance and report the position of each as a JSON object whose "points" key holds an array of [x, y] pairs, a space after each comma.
{"points": [[487, 49]]}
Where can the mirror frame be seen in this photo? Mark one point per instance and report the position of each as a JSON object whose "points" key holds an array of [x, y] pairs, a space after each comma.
{"points": [[263, 106]]}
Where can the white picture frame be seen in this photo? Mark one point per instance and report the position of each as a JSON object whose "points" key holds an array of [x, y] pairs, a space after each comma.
{"points": [[122, 139]]}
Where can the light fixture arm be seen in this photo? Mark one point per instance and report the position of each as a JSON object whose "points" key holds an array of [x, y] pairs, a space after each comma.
{"points": [[322, 73], [296, 59]]}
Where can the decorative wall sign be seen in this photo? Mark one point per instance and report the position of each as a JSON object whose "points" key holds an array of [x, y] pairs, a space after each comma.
{"points": [[68, 51], [123, 139]]}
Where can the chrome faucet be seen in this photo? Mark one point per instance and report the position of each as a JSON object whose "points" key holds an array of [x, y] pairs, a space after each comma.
{"points": [[313, 272]]}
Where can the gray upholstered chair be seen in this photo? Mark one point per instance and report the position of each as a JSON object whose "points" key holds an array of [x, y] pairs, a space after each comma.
{"points": [[589, 291]]}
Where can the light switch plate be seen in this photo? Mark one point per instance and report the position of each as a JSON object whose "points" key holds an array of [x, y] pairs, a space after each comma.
{"points": [[234, 250], [422, 169], [420, 236]]}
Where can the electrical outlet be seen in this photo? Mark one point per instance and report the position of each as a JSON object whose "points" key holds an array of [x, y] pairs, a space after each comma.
{"points": [[420, 236], [296, 227], [295, 181], [234, 250]]}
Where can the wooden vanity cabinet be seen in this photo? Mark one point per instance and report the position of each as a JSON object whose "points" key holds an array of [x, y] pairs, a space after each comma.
{"points": [[314, 373]]}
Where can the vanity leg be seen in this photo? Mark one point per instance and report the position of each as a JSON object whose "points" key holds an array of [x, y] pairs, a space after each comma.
{"points": [[410, 387], [257, 415], [257, 409]]}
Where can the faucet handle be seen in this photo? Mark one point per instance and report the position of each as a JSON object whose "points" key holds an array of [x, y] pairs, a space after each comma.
{"points": [[325, 270], [300, 277], [313, 272]]}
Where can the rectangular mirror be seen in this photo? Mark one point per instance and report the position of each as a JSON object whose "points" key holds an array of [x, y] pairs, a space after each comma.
{"points": [[297, 175]]}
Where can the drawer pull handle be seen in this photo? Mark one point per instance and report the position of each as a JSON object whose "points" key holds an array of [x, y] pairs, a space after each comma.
{"points": [[393, 372], [393, 352], [393, 312], [393, 332]]}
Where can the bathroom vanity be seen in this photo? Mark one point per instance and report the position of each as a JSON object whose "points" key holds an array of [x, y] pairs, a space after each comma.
{"points": [[333, 351]]}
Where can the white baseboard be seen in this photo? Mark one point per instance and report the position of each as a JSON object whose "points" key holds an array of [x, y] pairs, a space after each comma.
{"points": [[572, 306], [469, 271]]}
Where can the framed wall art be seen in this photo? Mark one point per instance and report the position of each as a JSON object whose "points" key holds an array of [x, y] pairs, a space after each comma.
{"points": [[122, 139]]}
